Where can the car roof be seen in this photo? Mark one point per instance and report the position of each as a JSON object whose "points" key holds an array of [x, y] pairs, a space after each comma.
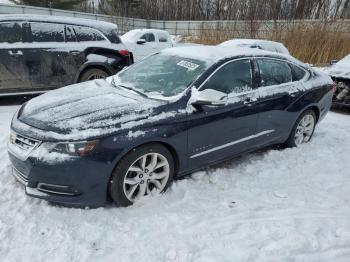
{"points": [[213, 54], [145, 30], [58, 19], [266, 44]]}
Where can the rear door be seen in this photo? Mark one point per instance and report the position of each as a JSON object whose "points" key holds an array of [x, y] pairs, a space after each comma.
{"points": [[164, 40], [279, 88], [13, 70]]}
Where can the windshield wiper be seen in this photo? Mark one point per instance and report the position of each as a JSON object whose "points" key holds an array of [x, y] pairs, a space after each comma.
{"points": [[129, 88]]}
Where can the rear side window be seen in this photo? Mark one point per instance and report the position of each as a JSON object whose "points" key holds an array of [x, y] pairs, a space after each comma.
{"points": [[86, 34], [234, 77], [273, 72], [148, 37], [10, 32], [47, 32], [163, 37], [297, 72]]}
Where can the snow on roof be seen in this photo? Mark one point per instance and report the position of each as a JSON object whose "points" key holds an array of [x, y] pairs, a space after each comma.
{"points": [[215, 53], [57, 19], [135, 33], [265, 44]]}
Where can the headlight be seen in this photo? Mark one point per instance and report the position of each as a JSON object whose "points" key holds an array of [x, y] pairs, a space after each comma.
{"points": [[74, 148]]}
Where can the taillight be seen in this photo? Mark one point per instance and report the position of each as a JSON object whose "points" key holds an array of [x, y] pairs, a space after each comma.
{"points": [[334, 87], [123, 52]]}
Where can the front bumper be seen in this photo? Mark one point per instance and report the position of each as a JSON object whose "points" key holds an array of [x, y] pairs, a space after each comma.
{"points": [[77, 183]]}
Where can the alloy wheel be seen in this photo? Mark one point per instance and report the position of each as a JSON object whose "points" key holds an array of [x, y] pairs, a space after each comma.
{"points": [[149, 172], [304, 129]]}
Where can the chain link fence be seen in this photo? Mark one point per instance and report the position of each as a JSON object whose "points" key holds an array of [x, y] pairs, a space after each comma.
{"points": [[195, 29]]}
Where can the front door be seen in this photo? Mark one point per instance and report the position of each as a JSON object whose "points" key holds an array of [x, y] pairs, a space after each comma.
{"points": [[148, 48], [218, 132]]}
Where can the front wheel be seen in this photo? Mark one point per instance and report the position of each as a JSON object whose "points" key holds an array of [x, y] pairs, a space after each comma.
{"points": [[303, 129], [145, 169]]}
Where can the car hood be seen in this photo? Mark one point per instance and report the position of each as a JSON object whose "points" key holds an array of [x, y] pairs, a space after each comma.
{"points": [[87, 109], [340, 69]]}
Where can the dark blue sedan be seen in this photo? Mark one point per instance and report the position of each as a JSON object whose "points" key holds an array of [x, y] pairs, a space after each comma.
{"points": [[175, 112]]}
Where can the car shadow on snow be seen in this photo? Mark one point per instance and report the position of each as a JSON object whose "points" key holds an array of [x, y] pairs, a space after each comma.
{"points": [[15, 100]]}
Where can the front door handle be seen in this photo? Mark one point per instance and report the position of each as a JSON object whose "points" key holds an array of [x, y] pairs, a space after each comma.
{"points": [[293, 93], [15, 53], [74, 52], [249, 101]]}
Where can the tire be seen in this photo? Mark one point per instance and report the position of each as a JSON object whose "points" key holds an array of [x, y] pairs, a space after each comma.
{"points": [[129, 181], [303, 129], [92, 74]]}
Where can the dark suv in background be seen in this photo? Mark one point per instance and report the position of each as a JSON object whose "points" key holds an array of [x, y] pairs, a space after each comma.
{"points": [[39, 53]]}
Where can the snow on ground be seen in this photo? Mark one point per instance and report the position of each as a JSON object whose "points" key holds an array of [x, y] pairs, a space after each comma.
{"points": [[275, 205]]}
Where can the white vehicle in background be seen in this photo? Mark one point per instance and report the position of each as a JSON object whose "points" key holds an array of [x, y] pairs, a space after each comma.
{"points": [[257, 43], [145, 42]]}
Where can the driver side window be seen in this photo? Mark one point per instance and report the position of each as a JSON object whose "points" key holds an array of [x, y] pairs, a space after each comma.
{"points": [[148, 37], [234, 77]]}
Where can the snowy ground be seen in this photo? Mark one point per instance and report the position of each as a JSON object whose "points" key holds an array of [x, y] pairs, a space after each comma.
{"points": [[289, 205]]}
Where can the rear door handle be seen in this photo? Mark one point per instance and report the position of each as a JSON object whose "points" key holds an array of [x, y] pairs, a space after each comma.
{"points": [[15, 53]]}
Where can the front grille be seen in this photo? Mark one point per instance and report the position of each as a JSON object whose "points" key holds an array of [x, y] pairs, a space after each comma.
{"points": [[25, 143], [21, 146]]}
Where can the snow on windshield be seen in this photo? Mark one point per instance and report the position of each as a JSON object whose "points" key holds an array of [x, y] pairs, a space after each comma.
{"points": [[164, 74]]}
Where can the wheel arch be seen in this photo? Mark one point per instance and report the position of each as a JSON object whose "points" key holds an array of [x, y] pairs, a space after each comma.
{"points": [[168, 146], [316, 110], [89, 66]]}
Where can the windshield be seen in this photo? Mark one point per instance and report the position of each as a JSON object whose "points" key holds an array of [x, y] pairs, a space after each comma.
{"points": [[164, 74]]}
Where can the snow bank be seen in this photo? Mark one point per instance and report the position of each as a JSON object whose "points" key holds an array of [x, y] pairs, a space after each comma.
{"points": [[274, 205]]}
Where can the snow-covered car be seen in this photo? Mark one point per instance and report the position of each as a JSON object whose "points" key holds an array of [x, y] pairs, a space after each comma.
{"points": [[177, 111], [145, 42], [340, 73], [40, 53], [257, 43]]}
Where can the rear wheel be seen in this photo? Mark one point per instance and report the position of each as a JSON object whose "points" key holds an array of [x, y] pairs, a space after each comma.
{"points": [[146, 169], [303, 129], [92, 74]]}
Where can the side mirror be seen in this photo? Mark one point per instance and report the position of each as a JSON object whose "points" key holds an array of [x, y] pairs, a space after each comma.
{"points": [[333, 62], [141, 41], [210, 97]]}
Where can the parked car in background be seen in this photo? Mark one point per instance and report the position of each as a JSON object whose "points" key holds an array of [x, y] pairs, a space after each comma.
{"points": [[40, 53], [257, 43], [145, 42], [172, 113], [340, 73]]}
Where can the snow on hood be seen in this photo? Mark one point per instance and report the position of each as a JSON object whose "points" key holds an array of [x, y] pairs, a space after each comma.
{"points": [[87, 109], [340, 69]]}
